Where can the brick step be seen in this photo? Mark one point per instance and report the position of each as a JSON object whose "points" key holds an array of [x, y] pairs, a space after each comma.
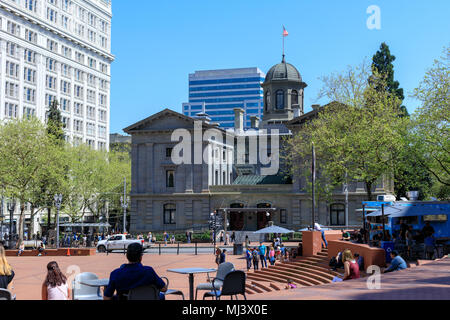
{"points": [[322, 254], [314, 267], [284, 276], [275, 287], [315, 258], [272, 278], [255, 289], [296, 274], [262, 286], [314, 263], [316, 274]]}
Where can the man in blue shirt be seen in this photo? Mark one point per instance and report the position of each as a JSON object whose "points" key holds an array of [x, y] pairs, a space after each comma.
{"points": [[132, 275], [262, 254], [397, 263]]}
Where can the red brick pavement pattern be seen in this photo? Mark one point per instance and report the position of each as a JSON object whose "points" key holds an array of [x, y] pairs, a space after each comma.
{"points": [[429, 281], [31, 271]]}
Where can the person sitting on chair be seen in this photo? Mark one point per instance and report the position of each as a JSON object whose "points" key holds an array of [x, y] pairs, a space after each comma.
{"points": [[132, 275]]}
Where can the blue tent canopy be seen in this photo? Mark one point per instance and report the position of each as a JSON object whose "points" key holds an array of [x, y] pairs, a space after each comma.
{"points": [[274, 229], [411, 210]]}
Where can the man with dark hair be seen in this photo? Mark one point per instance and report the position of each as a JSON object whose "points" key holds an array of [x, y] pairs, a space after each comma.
{"points": [[397, 263], [132, 275], [222, 256]]}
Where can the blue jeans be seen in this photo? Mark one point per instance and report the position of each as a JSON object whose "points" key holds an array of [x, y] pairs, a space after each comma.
{"points": [[263, 260], [324, 240]]}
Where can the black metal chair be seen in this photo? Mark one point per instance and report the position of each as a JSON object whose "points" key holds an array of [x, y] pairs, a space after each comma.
{"points": [[150, 292], [172, 291], [233, 284], [6, 295]]}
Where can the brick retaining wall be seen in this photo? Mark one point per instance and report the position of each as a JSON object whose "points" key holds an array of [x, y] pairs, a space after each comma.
{"points": [[54, 252]]}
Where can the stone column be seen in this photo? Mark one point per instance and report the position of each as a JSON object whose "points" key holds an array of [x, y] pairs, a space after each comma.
{"points": [[150, 167]]}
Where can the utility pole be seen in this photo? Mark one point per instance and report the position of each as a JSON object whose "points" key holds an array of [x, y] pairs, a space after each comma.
{"points": [[124, 202], [346, 199], [313, 180]]}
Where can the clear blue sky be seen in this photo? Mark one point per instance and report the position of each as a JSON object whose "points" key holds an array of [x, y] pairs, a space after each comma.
{"points": [[158, 43]]}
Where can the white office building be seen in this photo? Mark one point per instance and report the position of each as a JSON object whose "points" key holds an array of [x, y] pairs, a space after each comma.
{"points": [[218, 92], [58, 50]]}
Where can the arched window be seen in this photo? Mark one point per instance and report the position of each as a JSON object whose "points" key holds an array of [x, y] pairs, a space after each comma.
{"points": [[294, 96], [169, 213], [280, 100], [267, 101], [337, 214]]}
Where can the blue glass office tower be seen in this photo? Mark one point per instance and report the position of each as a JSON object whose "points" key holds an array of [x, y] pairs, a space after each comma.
{"points": [[218, 92]]}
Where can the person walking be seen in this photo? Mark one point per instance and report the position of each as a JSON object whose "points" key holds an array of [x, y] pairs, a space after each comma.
{"points": [[248, 257], [272, 256], [223, 256], [55, 286], [255, 257], [218, 253], [21, 249], [318, 228], [262, 255]]}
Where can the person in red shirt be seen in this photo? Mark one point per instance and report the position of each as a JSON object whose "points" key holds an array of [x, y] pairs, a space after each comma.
{"points": [[350, 266]]}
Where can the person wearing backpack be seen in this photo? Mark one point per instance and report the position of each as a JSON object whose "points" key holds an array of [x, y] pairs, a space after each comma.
{"points": [[249, 258], [255, 256]]}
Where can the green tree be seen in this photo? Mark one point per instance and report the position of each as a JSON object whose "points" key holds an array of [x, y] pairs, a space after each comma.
{"points": [[357, 135], [27, 155], [408, 175], [430, 135], [55, 126], [382, 63]]}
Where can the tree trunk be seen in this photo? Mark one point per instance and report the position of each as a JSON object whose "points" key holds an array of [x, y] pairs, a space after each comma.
{"points": [[21, 223], [369, 190], [32, 214], [49, 218]]}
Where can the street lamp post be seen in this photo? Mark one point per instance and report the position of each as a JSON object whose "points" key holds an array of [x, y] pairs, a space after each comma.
{"points": [[58, 202], [2, 217], [213, 222], [124, 202], [11, 208]]}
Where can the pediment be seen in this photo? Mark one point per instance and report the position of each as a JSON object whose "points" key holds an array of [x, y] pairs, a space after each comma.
{"points": [[166, 120]]}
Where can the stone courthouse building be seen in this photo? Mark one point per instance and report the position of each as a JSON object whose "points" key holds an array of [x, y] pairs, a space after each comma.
{"points": [[171, 197]]}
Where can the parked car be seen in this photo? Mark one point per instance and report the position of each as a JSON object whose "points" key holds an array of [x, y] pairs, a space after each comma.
{"points": [[118, 242]]}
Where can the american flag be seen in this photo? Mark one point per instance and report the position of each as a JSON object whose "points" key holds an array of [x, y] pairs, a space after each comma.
{"points": [[285, 33]]}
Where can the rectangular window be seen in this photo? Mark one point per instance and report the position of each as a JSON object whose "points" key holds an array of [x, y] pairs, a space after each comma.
{"points": [[283, 216], [30, 36], [78, 108], [10, 110], [170, 178], [12, 90], [13, 28], [337, 214], [169, 213], [65, 105], [12, 49], [29, 95], [12, 69], [30, 56], [169, 152], [52, 45], [29, 75]]}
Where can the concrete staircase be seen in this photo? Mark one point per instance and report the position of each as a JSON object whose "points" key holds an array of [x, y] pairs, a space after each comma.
{"points": [[303, 271]]}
